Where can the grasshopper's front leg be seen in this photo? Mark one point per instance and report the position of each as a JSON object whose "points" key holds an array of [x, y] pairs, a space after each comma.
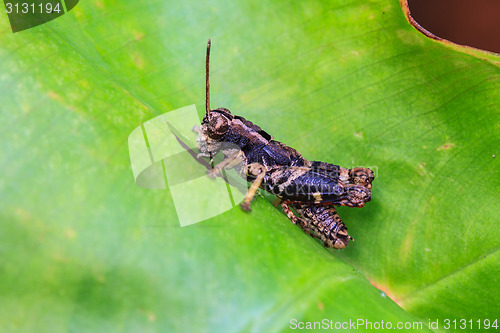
{"points": [[229, 162], [254, 170]]}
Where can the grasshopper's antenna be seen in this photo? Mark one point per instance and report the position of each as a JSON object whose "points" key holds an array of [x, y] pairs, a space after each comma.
{"points": [[207, 97]]}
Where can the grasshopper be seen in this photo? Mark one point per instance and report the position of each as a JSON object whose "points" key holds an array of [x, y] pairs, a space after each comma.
{"points": [[309, 190]]}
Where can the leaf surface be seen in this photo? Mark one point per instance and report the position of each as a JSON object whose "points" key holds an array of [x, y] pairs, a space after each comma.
{"points": [[346, 82]]}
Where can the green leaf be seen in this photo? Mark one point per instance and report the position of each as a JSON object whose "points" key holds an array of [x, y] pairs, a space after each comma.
{"points": [[352, 83]]}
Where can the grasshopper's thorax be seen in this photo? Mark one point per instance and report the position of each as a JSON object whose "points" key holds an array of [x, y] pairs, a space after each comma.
{"points": [[220, 129]]}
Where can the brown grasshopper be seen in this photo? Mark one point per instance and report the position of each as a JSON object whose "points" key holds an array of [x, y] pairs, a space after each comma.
{"points": [[310, 188]]}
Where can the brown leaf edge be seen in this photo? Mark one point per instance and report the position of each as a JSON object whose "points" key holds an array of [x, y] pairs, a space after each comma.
{"points": [[479, 53]]}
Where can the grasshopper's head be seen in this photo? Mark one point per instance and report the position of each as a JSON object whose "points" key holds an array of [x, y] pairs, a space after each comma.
{"points": [[216, 123], [213, 130]]}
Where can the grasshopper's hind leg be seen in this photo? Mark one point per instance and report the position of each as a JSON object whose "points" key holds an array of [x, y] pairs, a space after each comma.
{"points": [[301, 222], [320, 221], [254, 170], [355, 176], [361, 176]]}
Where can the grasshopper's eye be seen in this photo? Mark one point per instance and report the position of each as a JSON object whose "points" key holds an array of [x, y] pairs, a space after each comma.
{"points": [[217, 126]]}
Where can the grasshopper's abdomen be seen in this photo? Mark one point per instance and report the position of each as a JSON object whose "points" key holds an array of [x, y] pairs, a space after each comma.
{"points": [[303, 184]]}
